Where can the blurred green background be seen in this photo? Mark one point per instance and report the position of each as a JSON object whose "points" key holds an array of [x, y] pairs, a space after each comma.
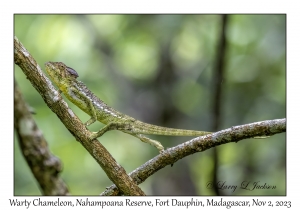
{"points": [[158, 69]]}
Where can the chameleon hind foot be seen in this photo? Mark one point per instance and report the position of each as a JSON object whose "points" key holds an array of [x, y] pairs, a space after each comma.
{"points": [[152, 142]]}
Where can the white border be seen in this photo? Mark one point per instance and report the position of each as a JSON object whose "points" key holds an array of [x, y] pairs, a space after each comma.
{"points": [[8, 8]]}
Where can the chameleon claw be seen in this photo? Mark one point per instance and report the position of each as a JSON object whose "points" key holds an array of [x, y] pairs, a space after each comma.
{"points": [[93, 136], [160, 148], [161, 151]]}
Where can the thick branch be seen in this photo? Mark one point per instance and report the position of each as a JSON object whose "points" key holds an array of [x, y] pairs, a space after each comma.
{"points": [[200, 144], [55, 102], [44, 165]]}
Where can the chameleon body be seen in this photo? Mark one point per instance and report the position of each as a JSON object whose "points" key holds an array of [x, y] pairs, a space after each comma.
{"points": [[65, 78]]}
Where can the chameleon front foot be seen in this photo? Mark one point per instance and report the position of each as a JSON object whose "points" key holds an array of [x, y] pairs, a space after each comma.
{"points": [[93, 136], [89, 122]]}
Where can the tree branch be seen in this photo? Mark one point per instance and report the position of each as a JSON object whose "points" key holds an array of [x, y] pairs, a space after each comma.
{"points": [[55, 102], [217, 93], [44, 165], [200, 144]]}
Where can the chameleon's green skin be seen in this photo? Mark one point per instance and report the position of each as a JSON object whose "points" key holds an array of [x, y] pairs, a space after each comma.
{"points": [[65, 79]]}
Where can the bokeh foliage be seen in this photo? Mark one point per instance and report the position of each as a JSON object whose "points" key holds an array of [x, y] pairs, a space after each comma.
{"points": [[158, 68]]}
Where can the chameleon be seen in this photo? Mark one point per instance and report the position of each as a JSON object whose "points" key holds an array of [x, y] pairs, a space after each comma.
{"points": [[65, 78]]}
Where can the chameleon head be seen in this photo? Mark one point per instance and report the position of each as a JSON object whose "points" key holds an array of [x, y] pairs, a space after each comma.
{"points": [[59, 72]]}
